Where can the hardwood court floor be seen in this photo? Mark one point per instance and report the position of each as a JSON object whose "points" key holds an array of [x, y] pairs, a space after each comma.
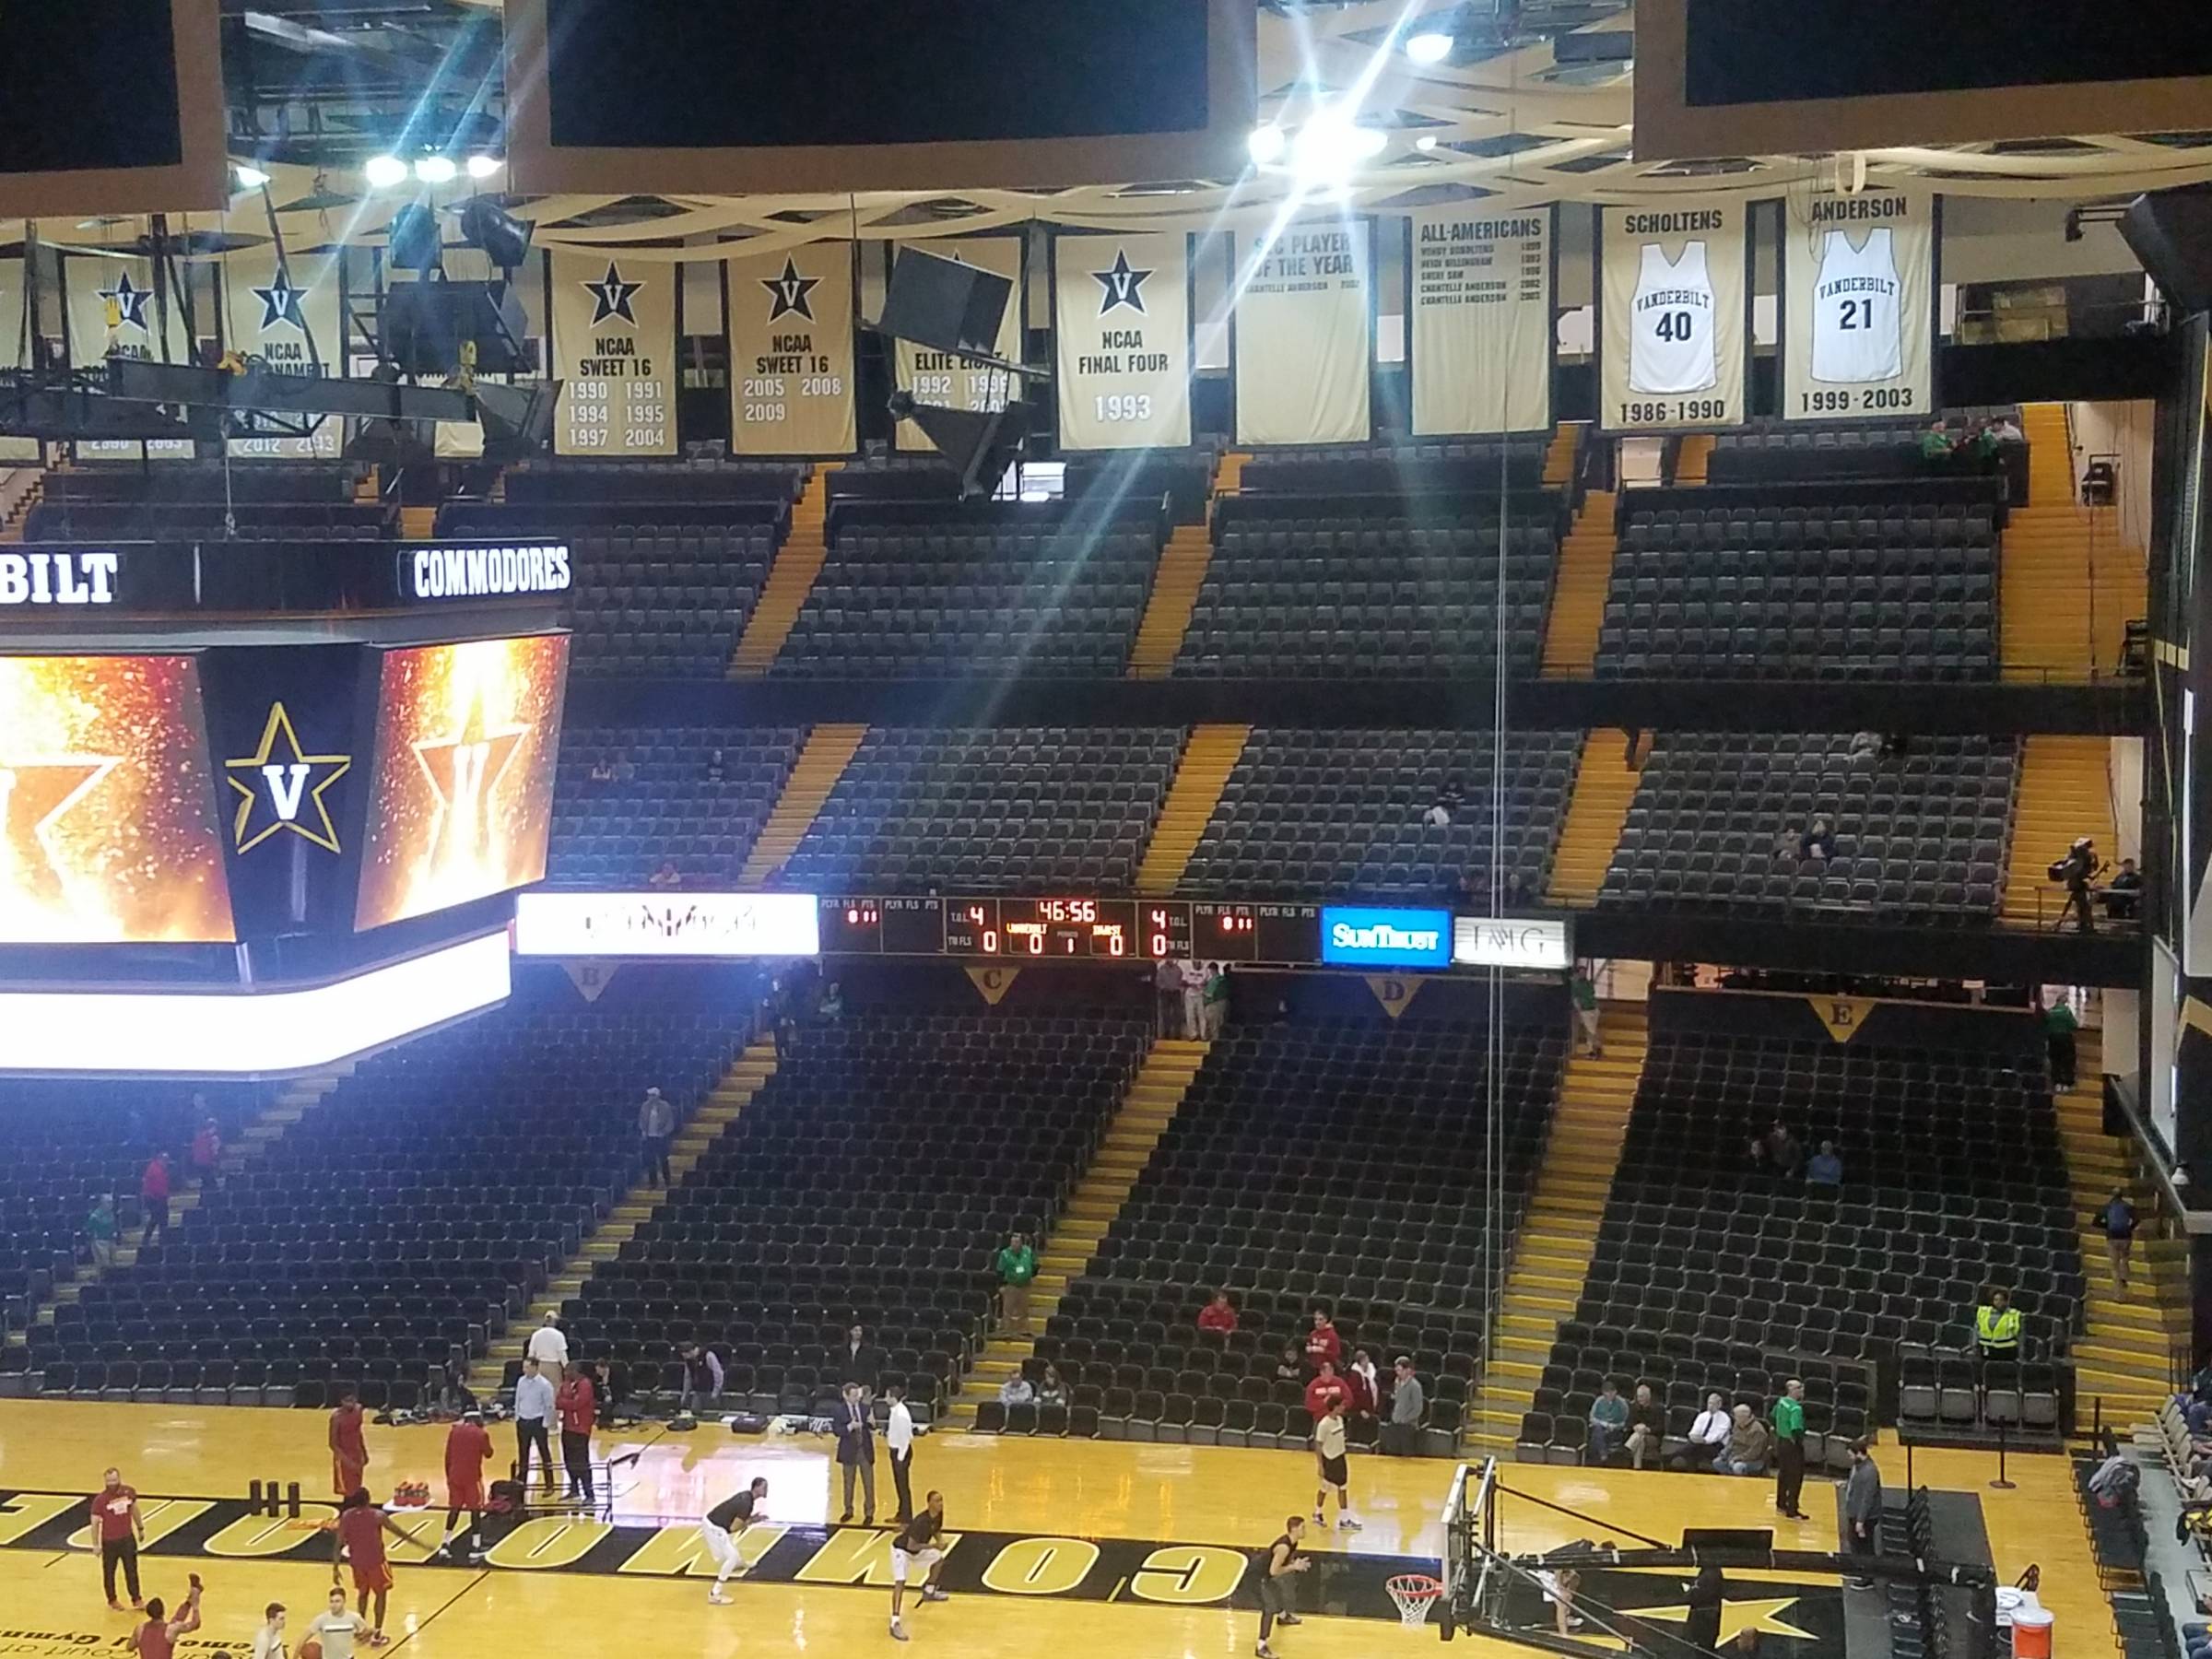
{"points": [[1064, 1547]]}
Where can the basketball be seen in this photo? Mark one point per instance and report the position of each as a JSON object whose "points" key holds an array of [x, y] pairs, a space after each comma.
{"points": [[310, 1649]]}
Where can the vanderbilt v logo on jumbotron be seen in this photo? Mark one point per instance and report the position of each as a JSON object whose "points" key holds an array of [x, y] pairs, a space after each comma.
{"points": [[281, 787]]}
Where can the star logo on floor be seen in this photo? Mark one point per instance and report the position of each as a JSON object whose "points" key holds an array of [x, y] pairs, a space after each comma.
{"points": [[1737, 1616]]}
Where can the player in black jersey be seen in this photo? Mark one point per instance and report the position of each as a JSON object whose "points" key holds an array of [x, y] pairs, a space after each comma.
{"points": [[920, 1542], [1278, 1584], [722, 1527]]}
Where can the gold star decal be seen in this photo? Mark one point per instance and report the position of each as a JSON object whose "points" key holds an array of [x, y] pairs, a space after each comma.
{"points": [[1737, 1616], [288, 784], [465, 768]]}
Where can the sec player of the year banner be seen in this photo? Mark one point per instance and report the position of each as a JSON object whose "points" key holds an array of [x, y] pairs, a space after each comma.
{"points": [[1482, 324], [1304, 337], [113, 311], [1122, 315], [1674, 323], [939, 377], [614, 347], [288, 316], [790, 352], [1858, 305]]}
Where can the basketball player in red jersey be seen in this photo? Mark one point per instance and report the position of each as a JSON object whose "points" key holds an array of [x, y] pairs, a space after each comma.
{"points": [[467, 1449], [348, 1450], [359, 1538], [156, 1637]]}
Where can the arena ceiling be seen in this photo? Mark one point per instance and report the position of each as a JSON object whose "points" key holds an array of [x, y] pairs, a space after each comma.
{"points": [[1532, 105]]}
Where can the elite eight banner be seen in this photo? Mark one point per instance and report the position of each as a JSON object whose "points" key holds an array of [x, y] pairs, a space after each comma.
{"points": [[1858, 305], [115, 311], [1122, 315], [614, 347], [952, 382], [287, 314], [1673, 317], [1480, 304], [1304, 334], [790, 352]]}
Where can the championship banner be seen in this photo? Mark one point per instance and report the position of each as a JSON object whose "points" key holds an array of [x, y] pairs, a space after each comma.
{"points": [[1303, 340], [939, 377], [1121, 340], [790, 352], [1673, 317], [13, 350], [1858, 305], [613, 350], [114, 313], [1480, 294], [291, 317]]}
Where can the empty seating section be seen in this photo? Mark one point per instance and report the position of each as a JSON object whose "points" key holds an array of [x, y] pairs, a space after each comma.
{"points": [[1372, 588], [1337, 814], [630, 799], [1014, 810], [946, 600], [1804, 590], [173, 500], [400, 1223], [668, 604], [1336, 1164], [567, 480], [1402, 466], [1718, 824], [870, 1179], [1708, 1268]]}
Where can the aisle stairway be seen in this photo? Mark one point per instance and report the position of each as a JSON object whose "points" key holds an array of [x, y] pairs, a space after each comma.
{"points": [[2066, 584], [1691, 460], [1578, 598], [798, 561], [1559, 458], [1175, 585], [2065, 792], [1559, 1233], [21, 489], [1604, 787], [419, 523], [1228, 473], [829, 749], [2122, 1357], [1208, 757], [1153, 1099], [716, 1113]]}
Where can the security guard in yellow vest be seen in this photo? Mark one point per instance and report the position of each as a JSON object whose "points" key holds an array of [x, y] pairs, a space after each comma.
{"points": [[1998, 1327]]}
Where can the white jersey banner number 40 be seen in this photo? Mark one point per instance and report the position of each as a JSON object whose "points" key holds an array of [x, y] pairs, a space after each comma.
{"points": [[1675, 317]]}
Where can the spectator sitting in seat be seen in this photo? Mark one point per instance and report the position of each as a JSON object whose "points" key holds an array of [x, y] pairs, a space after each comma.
{"points": [[1749, 1446], [1937, 446], [1647, 1427], [1823, 1168], [1291, 1366], [1323, 1344], [1052, 1391], [1818, 843], [1608, 1422], [666, 877], [603, 770], [833, 1003], [1016, 1390], [1326, 1389], [1218, 1317], [2123, 894], [716, 772], [1446, 806], [1708, 1433], [1778, 1151]]}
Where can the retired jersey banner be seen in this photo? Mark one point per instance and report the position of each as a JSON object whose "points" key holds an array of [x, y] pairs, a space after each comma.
{"points": [[790, 352], [290, 315], [1858, 305], [939, 377], [1673, 317], [15, 349], [1303, 335], [613, 350], [113, 311], [1122, 337], [1480, 305]]}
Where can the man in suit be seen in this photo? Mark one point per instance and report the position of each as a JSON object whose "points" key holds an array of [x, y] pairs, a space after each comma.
{"points": [[859, 1362], [854, 1427]]}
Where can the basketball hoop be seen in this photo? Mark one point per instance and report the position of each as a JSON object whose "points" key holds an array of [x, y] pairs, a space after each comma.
{"points": [[1415, 1592]]}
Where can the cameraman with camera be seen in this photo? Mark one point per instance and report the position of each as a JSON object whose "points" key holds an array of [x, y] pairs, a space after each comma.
{"points": [[2075, 871]]}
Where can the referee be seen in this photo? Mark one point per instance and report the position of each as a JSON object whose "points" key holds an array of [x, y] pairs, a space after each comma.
{"points": [[1789, 1449]]}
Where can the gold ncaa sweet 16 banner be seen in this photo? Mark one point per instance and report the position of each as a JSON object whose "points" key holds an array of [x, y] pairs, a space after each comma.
{"points": [[790, 352], [614, 347], [1122, 333], [1858, 305], [113, 311], [950, 382], [287, 314], [1480, 304], [1304, 339], [1675, 317]]}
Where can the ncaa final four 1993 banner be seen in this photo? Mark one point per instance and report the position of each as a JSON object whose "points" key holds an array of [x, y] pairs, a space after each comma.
{"points": [[1675, 323], [115, 312], [1479, 288], [287, 314], [613, 350], [1121, 328], [1304, 334], [939, 377], [1858, 305], [790, 352], [12, 352]]}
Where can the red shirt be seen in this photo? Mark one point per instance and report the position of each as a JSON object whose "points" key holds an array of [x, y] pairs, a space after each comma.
{"points": [[154, 1184], [154, 1641], [362, 1530], [466, 1450], [112, 1508], [346, 1435], [1324, 1344], [1321, 1392], [206, 1146], [579, 1406], [1222, 1318]]}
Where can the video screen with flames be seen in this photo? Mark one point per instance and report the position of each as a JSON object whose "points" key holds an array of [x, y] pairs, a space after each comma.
{"points": [[108, 831], [460, 802]]}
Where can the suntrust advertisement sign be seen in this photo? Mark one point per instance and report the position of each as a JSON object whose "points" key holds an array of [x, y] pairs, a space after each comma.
{"points": [[1358, 937]]}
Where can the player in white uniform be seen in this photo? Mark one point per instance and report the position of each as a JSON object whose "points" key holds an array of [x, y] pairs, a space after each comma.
{"points": [[337, 1628], [1858, 324], [1670, 326]]}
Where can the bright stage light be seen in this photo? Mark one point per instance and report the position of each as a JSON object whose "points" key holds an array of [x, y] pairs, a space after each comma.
{"points": [[1267, 144], [436, 170], [1429, 47], [484, 166], [248, 178], [384, 172]]}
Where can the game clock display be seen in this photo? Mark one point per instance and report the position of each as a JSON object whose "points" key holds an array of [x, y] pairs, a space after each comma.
{"points": [[1072, 929]]}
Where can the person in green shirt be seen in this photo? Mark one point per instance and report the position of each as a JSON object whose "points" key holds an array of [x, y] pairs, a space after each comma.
{"points": [[99, 1228], [1938, 447], [1608, 1424], [1017, 1267], [1789, 1449], [1997, 1328], [1585, 993], [2059, 1026]]}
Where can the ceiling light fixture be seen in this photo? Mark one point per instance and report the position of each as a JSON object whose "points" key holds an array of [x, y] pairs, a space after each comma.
{"points": [[436, 170], [384, 172], [1429, 47], [1267, 144], [484, 166], [248, 178]]}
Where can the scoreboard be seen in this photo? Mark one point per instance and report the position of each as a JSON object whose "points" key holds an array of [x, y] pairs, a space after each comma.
{"points": [[1143, 930]]}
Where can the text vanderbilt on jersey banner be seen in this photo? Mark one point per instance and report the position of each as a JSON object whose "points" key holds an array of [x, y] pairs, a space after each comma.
{"points": [[790, 352], [115, 312], [1676, 322], [1121, 328], [286, 313], [1304, 337], [614, 347], [1858, 306], [1480, 300], [939, 377]]}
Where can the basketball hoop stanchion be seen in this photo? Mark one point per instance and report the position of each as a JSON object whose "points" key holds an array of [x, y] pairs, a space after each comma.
{"points": [[1415, 1592]]}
